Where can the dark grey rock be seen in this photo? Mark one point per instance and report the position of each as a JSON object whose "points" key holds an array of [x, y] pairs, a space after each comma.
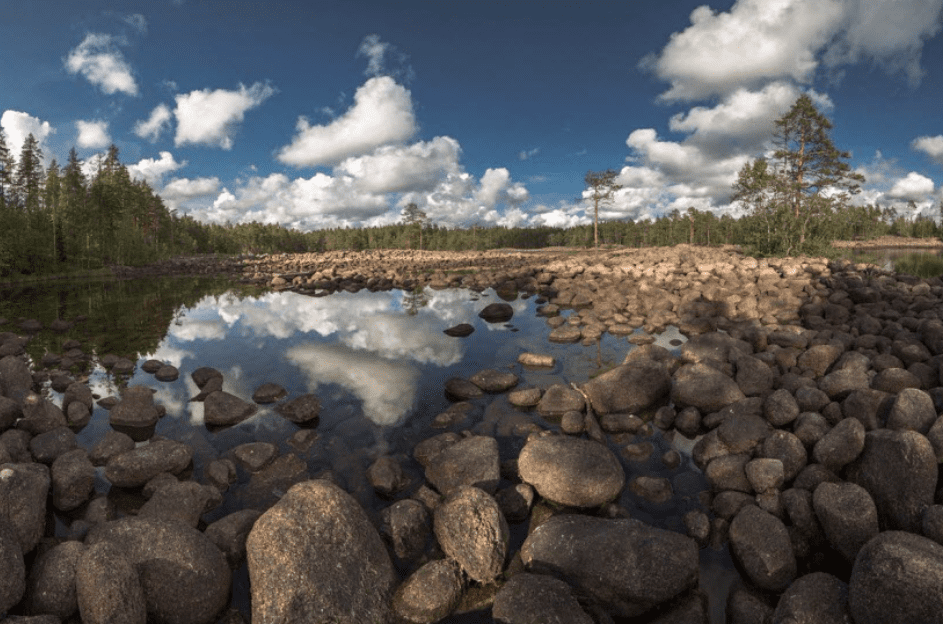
{"points": [[811, 399], [704, 387], [203, 375], [16, 444], [912, 409], [761, 544], [869, 406], [184, 501], [810, 427], [167, 373], [13, 578], [847, 514], [269, 393], [458, 389], [221, 409], [10, 411], [430, 593], [51, 584], [745, 605], [893, 380], [515, 502], [620, 423], [77, 392], [653, 489], [840, 446], [571, 471], [816, 598], [73, 480], [780, 408], [629, 388], [728, 473], [23, 492], [409, 528], [221, 473], [46, 447], [459, 331], [135, 414], [559, 399], [899, 470], [932, 523], [107, 586], [77, 416], [15, 378], [527, 598], [787, 448], [303, 410], [386, 475], [136, 467], [897, 578], [315, 556], [754, 377], [184, 576], [230, 532], [254, 456], [840, 383], [40, 415], [471, 530], [494, 381], [765, 474], [742, 433], [497, 313], [654, 567], [470, 461], [113, 443]]}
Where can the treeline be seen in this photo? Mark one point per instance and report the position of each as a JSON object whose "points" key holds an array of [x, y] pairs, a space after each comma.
{"points": [[56, 219]]}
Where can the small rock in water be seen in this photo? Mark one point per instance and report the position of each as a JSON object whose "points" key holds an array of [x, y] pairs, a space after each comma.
{"points": [[459, 331], [493, 381], [255, 456], [269, 393], [167, 373], [537, 360], [123, 366], [527, 397], [151, 366], [458, 389], [497, 313], [303, 410]]}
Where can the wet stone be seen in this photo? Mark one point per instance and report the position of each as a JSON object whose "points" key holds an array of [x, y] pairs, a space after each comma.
{"points": [[527, 397], [559, 399], [269, 393], [151, 366], [303, 410], [167, 373], [459, 331], [493, 381], [222, 409], [255, 456], [458, 389], [571, 471], [653, 489]]}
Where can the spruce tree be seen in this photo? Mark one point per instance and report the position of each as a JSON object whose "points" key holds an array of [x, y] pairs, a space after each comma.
{"points": [[7, 171]]}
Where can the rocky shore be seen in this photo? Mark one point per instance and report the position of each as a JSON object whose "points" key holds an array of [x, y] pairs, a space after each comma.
{"points": [[809, 392]]}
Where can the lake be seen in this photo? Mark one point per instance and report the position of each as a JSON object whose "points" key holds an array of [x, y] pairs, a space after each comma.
{"points": [[377, 361]]}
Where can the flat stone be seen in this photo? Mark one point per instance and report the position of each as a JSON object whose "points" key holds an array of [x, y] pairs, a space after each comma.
{"points": [[222, 409], [269, 393], [303, 410], [571, 471], [493, 381], [459, 331]]}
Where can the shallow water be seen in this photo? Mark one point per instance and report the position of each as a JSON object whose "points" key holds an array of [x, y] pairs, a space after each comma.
{"points": [[377, 361]]}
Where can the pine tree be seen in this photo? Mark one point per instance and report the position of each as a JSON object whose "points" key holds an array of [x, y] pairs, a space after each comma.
{"points": [[7, 171], [602, 188], [29, 175], [413, 215]]}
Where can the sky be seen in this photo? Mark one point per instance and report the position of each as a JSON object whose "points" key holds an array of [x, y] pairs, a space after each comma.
{"points": [[339, 113]]}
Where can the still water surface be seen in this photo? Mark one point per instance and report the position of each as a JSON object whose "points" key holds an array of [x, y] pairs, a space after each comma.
{"points": [[377, 361]]}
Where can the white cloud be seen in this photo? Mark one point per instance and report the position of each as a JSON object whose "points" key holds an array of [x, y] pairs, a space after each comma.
{"points": [[913, 187], [392, 169], [136, 21], [152, 127], [382, 114], [373, 49], [98, 59], [181, 190], [932, 146], [92, 134], [153, 170], [762, 40], [525, 154], [891, 32], [207, 117], [756, 41], [18, 125]]}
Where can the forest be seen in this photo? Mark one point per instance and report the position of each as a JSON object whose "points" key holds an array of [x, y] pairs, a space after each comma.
{"points": [[55, 219]]}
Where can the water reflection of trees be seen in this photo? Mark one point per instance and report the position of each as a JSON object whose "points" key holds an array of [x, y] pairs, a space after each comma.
{"points": [[125, 317], [415, 300]]}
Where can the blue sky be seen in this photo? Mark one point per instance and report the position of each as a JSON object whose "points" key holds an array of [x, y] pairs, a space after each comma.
{"points": [[322, 114]]}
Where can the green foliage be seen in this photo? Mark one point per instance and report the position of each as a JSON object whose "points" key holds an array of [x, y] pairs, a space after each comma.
{"points": [[602, 188], [920, 265]]}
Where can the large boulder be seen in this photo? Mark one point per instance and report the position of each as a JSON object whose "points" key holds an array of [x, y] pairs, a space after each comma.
{"points": [[23, 492], [626, 566], [108, 587], [471, 530], [761, 543], [816, 598], [51, 585], [571, 471], [631, 387], [73, 480], [315, 557], [184, 576], [136, 467], [15, 378], [897, 578], [221, 409], [899, 469], [13, 577], [470, 461], [430, 593], [135, 414], [847, 515], [527, 598], [704, 387]]}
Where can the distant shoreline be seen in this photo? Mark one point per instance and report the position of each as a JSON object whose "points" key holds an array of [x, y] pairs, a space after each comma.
{"points": [[891, 241]]}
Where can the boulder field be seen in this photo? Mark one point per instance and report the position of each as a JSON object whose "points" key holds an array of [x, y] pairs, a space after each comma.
{"points": [[808, 395]]}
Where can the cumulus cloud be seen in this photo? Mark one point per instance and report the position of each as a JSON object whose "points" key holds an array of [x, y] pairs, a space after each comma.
{"points": [[92, 134], [207, 117], [932, 146], [913, 187], [180, 190], [382, 114], [391, 169], [152, 127], [761, 40], [136, 21], [153, 170], [374, 50], [99, 60], [525, 154], [18, 125]]}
